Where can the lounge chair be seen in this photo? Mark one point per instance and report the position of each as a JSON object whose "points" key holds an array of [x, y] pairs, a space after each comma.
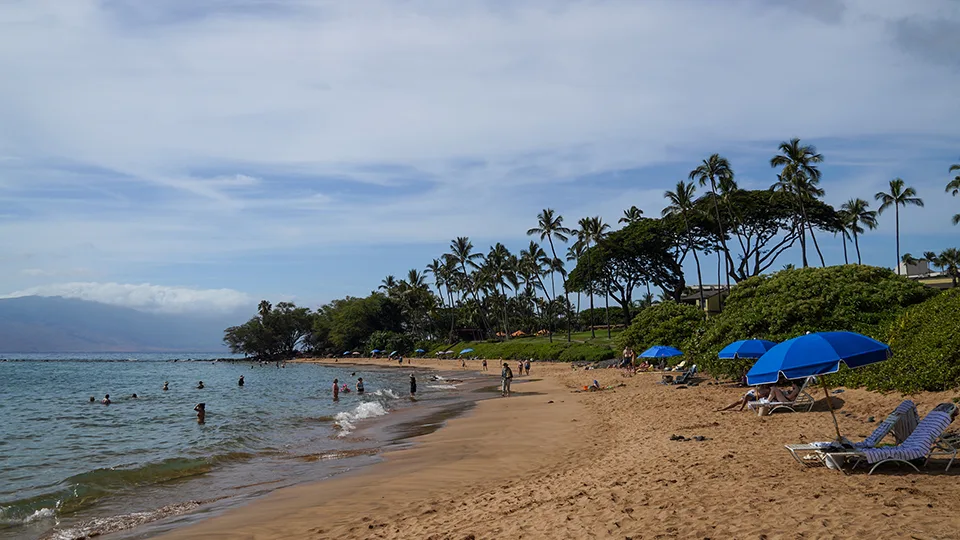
{"points": [[901, 422], [803, 402], [686, 376], [926, 441]]}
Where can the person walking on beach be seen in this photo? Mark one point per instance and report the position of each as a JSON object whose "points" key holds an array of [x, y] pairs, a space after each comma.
{"points": [[336, 390], [485, 364], [240, 382], [463, 363], [506, 377], [413, 385], [526, 366], [520, 367]]}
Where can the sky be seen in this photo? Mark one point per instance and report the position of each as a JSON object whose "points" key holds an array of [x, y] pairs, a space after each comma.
{"points": [[198, 156]]}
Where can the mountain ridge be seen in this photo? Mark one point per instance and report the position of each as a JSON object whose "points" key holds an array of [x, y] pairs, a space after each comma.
{"points": [[49, 324]]}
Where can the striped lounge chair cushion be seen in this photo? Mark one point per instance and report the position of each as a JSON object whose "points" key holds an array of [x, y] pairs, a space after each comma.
{"points": [[919, 442]]}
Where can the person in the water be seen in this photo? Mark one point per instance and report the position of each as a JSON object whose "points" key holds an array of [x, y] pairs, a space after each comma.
{"points": [[201, 409], [336, 389], [360, 385], [166, 385], [106, 400], [93, 399], [200, 385], [413, 385], [134, 396], [240, 382]]}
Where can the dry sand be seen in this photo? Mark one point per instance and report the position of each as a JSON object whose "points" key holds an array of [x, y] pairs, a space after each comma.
{"points": [[551, 463]]}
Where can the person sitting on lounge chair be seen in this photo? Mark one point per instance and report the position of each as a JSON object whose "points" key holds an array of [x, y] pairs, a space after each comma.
{"points": [[761, 393], [778, 395]]}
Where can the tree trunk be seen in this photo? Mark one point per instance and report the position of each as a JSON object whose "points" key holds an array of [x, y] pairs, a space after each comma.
{"points": [[803, 243], [723, 240], [606, 299], [844, 238], [593, 332], [896, 209], [856, 244]]}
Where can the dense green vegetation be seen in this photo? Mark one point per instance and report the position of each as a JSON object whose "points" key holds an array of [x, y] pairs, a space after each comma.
{"points": [[925, 340], [487, 299], [667, 323]]}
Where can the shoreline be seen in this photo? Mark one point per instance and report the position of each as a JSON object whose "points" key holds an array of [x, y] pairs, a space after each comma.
{"points": [[605, 464]]}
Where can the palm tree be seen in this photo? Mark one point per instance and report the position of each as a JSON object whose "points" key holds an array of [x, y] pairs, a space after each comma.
{"points": [[800, 176], [574, 253], [592, 231], [953, 187], [499, 270], [631, 215], [931, 258], [950, 262], [898, 196], [388, 284], [550, 226], [859, 213], [461, 249], [908, 259], [681, 203], [712, 170], [843, 222]]}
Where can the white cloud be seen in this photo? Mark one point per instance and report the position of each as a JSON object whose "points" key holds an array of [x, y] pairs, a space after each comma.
{"points": [[248, 126], [147, 297]]}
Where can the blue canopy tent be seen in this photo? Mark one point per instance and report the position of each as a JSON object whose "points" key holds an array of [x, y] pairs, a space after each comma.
{"points": [[747, 348], [660, 351], [817, 354]]}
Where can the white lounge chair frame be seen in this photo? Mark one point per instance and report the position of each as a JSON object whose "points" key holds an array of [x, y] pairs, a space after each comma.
{"points": [[804, 401]]}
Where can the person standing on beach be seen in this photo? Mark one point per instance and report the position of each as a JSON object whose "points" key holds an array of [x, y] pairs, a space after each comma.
{"points": [[336, 389], [526, 367], [485, 364], [506, 377], [520, 367], [413, 385], [463, 363]]}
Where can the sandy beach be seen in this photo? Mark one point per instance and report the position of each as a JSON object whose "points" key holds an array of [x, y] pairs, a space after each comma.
{"points": [[553, 463]]}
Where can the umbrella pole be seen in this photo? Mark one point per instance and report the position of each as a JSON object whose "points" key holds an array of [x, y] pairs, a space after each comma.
{"points": [[836, 426]]}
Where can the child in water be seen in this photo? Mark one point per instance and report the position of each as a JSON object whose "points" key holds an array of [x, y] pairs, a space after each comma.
{"points": [[201, 409]]}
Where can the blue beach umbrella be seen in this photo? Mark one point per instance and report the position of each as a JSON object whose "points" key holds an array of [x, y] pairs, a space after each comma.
{"points": [[375, 351], [346, 353], [420, 351], [393, 353], [660, 351], [817, 354], [747, 348], [465, 351]]}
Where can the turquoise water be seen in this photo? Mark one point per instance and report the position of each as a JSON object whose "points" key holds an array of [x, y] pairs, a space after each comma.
{"points": [[69, 465]]}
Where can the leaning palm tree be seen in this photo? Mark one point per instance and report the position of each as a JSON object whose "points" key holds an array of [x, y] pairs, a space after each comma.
{"points": [[574, 254], [714, 170], [550, 226], [953, 187], [843, 225], [592, 231], [950, 262], [800, 172], [859, 213], [931, 258], [681, 204], [631, 215], [899, 195]]}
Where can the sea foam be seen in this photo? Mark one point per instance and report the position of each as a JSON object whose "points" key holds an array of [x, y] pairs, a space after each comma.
{"points": [[347, 419]]}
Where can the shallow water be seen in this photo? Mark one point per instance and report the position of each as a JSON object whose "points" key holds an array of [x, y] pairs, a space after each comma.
{"points": [[70, 467]]}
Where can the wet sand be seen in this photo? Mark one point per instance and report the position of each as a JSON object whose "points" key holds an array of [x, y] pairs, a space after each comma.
{"points": [[602, 464]]}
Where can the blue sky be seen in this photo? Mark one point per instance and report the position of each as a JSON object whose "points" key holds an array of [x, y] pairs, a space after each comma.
{"points": [[198, 156]]}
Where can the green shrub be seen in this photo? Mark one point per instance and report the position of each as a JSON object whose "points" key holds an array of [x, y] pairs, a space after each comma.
{"points": [[789, 303], [667, 323], [925, 341]]}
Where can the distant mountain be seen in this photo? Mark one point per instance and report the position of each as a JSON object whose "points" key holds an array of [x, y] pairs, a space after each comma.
{"points": [[54, 324]]}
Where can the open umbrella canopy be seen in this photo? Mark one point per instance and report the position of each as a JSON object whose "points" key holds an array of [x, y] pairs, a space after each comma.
{"points": [[419, 351], [747, 348], [393, 353], [816, 354], [346, 353], [660, 351], [465, 351], [356, 353], [375, 351]]}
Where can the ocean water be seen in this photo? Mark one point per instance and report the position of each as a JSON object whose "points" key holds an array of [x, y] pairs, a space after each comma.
{"points": [[69, 467]]}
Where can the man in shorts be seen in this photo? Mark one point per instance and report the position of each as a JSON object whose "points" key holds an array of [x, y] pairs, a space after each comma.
{"points": [[506, 377]]}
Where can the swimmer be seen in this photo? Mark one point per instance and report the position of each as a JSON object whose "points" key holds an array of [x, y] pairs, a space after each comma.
{"points": [[93, 399], [133, 396], [345, 389], [166, 386], [200, 385], [201, 409], [336, 389], [413, 385], [360, 385], [240, 382], [106, 400]]}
